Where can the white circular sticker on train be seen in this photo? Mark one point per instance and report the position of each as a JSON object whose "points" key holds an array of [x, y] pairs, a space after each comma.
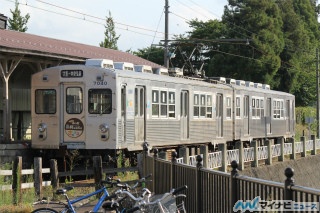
{"points": [[74, 127]]}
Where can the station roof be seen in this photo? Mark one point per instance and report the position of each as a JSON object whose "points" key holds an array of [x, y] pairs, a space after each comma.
{"points": [[25, 43]]}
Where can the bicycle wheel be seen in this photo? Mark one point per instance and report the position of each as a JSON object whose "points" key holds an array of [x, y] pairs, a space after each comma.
{"points": [[44, 210]]}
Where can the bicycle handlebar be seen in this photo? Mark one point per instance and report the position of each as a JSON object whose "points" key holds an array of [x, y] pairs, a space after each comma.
{"points": [[128, 194], [171, 193]]}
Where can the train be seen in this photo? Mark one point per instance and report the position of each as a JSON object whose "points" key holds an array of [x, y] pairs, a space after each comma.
{"points": [[101, 108]]}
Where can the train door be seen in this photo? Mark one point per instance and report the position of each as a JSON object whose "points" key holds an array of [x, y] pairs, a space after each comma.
{"points": [[123, 113], [139, 118], [219, 115], [288, 116], [73, 113], [246, 110], [268, 116], [184, 114]]}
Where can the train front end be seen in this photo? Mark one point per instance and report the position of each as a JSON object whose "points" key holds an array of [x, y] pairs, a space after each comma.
{"points": [[73, 107]]}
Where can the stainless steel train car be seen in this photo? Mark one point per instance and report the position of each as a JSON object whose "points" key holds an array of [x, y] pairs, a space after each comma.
{"points": [[92, 108]]}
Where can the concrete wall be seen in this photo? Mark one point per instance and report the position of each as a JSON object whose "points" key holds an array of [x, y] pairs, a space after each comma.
{"points": [[306, 171]]}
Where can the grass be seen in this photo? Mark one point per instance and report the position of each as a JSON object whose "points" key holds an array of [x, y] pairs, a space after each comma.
{"points": [[28, 196]]}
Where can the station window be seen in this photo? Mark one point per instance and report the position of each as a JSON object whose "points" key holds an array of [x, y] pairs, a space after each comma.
{"points": [[228, 106], [74, 100], [100, 101], [45, 101], [278, 109], [163, 103], [202, 106]]}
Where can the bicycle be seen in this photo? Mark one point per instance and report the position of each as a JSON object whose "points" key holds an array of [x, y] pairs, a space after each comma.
{"points": [[165, 204], [69, 208], [125, 201]]}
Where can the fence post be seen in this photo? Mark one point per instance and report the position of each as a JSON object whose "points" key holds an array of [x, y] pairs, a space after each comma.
{"points": [[16, 180], [97, 171], [145, 147], [281, 142], [204, 152], [173, 169], [288, 194], [234, 187], [54, 176], [223, 149], [304, 146], [184, 153], [255, 162], [269, 160], [38, 176], [155, 171], [239, 145], [199, 185], [314, 148], [293, 155]]}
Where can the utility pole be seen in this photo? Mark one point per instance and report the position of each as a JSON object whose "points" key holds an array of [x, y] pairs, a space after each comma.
{"points": [[318, 101], [166, 33]]}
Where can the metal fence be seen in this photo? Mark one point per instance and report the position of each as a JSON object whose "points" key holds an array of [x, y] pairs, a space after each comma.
{"points": [[215, 191]]}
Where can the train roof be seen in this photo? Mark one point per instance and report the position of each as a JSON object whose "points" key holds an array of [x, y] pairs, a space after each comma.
{"points": [[197, 81]]}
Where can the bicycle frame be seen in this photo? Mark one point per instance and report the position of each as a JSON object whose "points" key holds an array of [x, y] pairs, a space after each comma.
{"points": [[96, 207]]}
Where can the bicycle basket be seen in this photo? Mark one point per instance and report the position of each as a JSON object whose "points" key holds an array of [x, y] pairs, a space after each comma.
{"points": [[168, 205]]}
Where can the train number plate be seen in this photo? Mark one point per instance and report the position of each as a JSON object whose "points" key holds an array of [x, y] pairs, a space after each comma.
{"points": [[71, 73]]}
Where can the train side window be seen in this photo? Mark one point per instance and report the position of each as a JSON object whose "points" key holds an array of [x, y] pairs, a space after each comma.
{"points": [[155, 103], [74, 100], [45, 101], [262, 107], [258, 108], [209, 106], [202, 105], [228, 107], [253, 107], [172, 106], [164, 106], [278, 109], [237, 107], [196, 105], [100, 101]]}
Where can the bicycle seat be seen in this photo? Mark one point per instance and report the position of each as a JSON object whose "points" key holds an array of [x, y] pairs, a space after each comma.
{"points": [[64, 190]]}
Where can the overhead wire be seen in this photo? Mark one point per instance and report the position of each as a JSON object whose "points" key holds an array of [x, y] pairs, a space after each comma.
{"points": [[91, 21]]}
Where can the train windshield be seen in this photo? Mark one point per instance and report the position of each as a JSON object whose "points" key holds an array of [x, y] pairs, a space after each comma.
{"points": [[45, 101], [74, 100], [100, 101]]}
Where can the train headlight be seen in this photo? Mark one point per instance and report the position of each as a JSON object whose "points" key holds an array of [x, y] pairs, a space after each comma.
{"points": [[104, 132], [42, 127], [42, 131]]}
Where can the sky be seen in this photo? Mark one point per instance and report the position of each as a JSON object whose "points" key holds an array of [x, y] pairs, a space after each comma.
{"points": [[139, 23]]}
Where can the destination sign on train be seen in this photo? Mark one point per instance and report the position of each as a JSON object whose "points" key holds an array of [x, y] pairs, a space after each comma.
{"points": [[71, 73]]}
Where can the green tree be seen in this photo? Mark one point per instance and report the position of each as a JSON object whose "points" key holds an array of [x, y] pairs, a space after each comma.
{"points": [[296, 55], [260, 22], [18, 22], [153, 53], [111, 39]]}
